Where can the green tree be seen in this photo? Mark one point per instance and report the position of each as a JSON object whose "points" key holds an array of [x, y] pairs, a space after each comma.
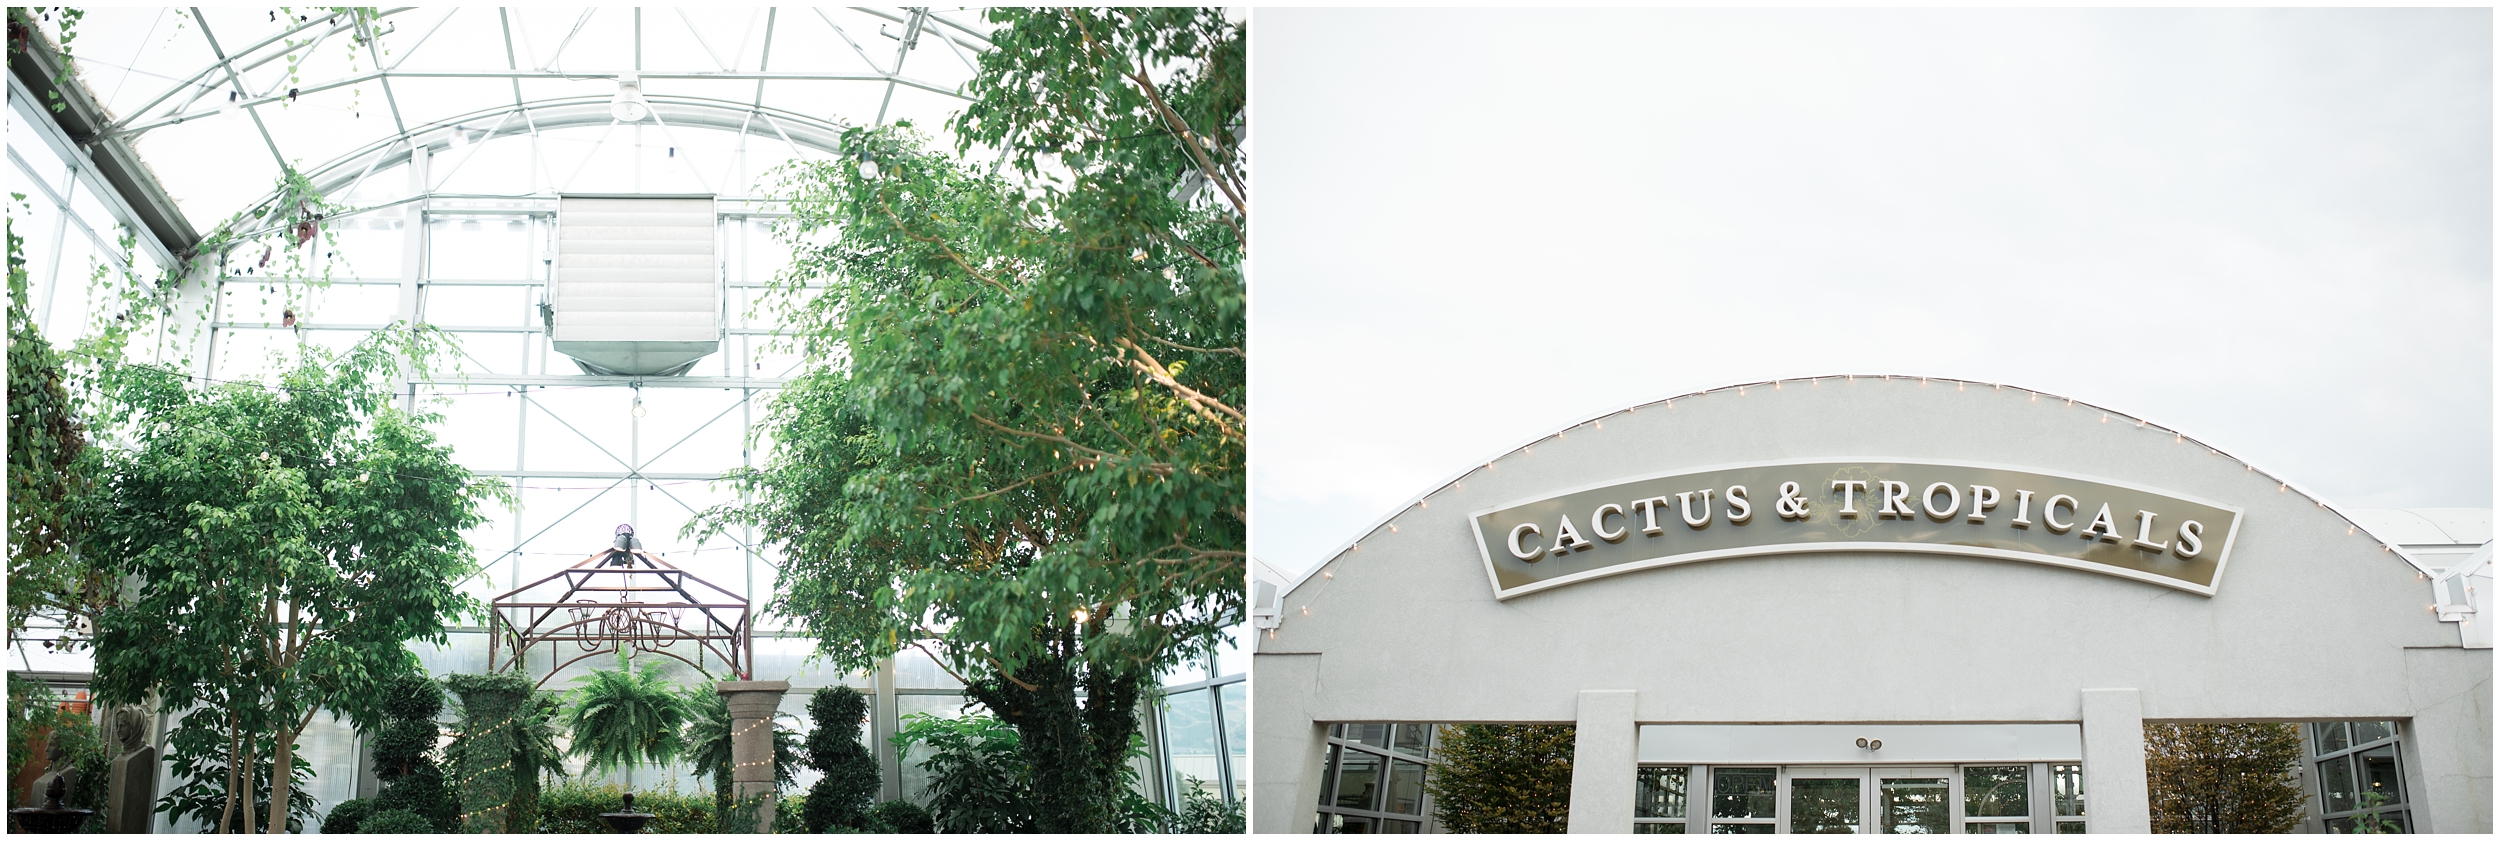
{"points": [[843, 796], [1502, 778], [626, 717], [1024, 449], [978, 781], [2224, 778], [288, 541]]}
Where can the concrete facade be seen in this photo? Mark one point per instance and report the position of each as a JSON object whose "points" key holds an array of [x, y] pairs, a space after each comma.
{"points": [[2313, 619]]}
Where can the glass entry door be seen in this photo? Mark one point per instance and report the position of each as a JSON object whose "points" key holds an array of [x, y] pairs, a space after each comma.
{"points": [[1889, 800]]}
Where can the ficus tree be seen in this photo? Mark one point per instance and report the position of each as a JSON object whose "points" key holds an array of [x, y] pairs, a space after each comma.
{"points": [[1022, 449], [286, 541], [2224, 777]]}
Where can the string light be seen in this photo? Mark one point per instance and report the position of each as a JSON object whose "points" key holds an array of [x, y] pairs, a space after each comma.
{"points": [[1078, 615], [1306, 610]]}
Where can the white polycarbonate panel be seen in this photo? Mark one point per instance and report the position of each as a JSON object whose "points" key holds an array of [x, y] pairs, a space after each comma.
{"points": [[635, 289]]}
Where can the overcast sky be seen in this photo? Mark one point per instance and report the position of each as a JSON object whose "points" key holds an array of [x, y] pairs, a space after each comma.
{"points": [[2269, 229]]}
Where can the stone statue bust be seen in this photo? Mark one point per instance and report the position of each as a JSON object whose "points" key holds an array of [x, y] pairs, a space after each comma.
{"points": [[130, 728]]}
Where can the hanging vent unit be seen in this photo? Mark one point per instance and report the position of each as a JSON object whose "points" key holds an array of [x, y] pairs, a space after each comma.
{"points": [[634, 292]]}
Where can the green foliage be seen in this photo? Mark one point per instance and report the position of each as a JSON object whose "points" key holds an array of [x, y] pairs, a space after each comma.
{"points": [[573, 808], [50, 467], [1023, 446], [626, 717], [978, 781], [347, 816], [504, 741], [292, 540], [396, 822], [2371, 821], [1205, 812], [903, 817], [197, 749], [2226, 778], [842, 797], [404, 753], [1502, 778], [68, 738]]}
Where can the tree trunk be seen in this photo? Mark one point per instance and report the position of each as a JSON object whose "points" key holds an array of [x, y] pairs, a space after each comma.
{"points": [[234, 765], [280, 780], [250, 786], [1075, 749]]}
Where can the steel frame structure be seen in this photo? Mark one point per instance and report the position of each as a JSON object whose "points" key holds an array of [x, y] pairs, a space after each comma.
{"points": [[580, 615]]}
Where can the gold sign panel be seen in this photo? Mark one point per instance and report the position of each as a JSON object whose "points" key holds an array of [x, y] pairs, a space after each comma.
{"points": [[1933, 507]]}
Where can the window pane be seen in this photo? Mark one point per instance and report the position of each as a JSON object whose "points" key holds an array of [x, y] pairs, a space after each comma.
{"points": [[1997, 828], [1741, 828], [1412, 738], [1330, 776], [1996, 791], [1375, 735], [1744, 793], [1823, 806], [2329, 735], [1358, 780], [1658, 828], [2335, 784], [1916, 806], [1349, 825], [1660, 793], [1406, 787], [2379, 776], [1189, 739], [2070, 828], [2365, 732], [1401, 828], [2068, 781], [1236, 737]]}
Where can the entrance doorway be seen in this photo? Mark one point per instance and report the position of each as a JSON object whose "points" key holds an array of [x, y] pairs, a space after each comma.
{"points": [[1977, 798]]}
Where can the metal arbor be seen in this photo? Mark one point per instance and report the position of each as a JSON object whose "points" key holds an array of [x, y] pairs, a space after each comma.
{"points": [[622, 596]]}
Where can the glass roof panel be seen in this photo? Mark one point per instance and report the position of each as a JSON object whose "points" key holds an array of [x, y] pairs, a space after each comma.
{"points": [[323, 95]]}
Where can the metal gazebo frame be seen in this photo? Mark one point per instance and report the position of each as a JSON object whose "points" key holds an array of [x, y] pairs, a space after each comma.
{"points": [[601, 610]]}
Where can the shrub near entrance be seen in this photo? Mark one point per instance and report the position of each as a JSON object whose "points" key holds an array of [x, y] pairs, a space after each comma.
{"points": [[1502, 778]]}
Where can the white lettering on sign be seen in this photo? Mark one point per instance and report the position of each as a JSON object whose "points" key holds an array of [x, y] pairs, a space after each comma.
{"points": [[1950, 510]]}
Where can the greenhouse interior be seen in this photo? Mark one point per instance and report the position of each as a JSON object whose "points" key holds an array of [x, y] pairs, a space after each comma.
{"points": [[588, 388]]}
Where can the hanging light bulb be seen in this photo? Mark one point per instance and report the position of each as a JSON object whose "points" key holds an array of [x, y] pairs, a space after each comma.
{"points": [[867, 169], [629, 106], [638, 410], [1078, 615]]}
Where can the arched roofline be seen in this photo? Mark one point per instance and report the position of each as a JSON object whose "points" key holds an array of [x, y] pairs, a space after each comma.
{"points": [[1356, 544], [512, 120]]}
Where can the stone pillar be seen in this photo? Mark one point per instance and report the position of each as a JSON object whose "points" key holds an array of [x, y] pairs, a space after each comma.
{"points": [[751, 707], [1288, 750], [2114, 795], [1605, 762], [129, 803]]}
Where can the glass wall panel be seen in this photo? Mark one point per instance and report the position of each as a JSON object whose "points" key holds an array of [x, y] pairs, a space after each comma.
{"points": [[916, 778], [2379, 775], [2365, 732], [1375, 735], [1406, 787], [1235, 697], [2067, 786], [1676, 828], [1409, 739], [2330, 736], [1823, 807], [1919, 806], [1358, 780], [1744, 793], [2335, 784], [1660, 793], [1996, 791], [1189, 739]]}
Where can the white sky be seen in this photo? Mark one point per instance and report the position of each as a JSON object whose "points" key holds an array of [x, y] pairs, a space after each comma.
{"points": [[2269, 229]]}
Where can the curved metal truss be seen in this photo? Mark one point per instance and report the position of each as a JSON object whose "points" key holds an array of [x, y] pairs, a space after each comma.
{"points": [[619, 598]]}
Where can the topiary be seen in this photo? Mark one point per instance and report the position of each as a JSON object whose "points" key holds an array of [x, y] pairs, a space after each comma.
{"points": [[905, 817], [345, 817], [849, 787], [397, 822], [403, 754]]}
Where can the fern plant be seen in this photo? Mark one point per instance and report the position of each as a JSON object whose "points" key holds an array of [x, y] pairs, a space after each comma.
{"points": [[626, 717]]}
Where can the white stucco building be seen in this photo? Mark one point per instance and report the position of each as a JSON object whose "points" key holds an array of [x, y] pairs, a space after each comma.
{"points": [[1881, 604]]}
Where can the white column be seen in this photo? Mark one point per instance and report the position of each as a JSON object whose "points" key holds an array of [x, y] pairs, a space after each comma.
{"points": [[1605, 760], [2447, 744], [1288, 750], [2114, 797]]}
